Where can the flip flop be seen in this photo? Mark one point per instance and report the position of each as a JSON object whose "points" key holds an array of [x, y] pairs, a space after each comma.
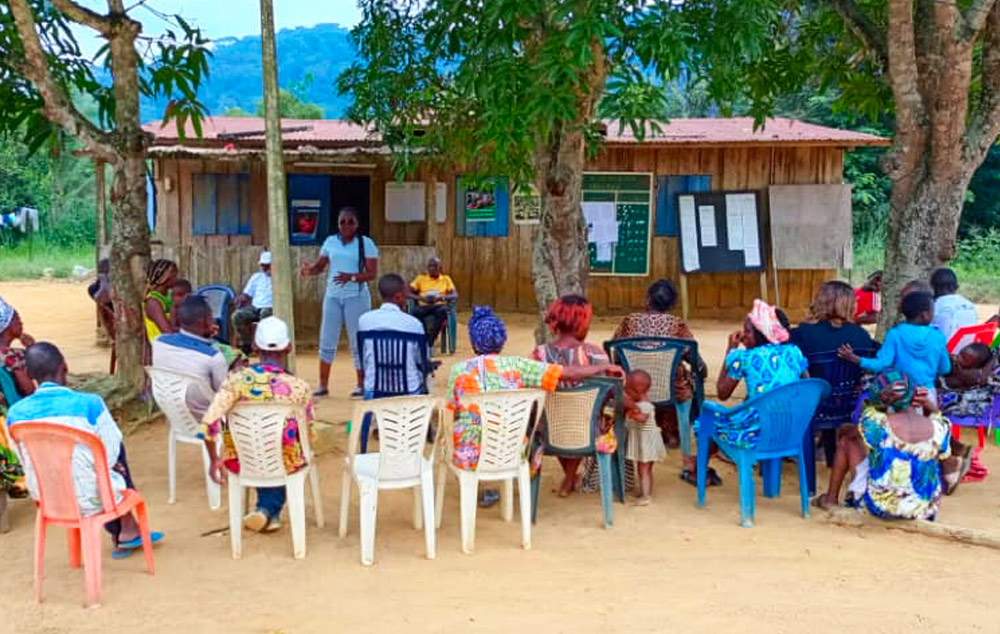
{"points": [[155, 537]]}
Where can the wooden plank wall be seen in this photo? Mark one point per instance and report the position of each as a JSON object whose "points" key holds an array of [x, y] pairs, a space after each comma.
{"points": [[497, 271]]}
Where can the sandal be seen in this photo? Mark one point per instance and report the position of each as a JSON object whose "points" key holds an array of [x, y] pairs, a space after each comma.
{"points": [[125, 549], [713, 478], [320, 392], [688, 476]]}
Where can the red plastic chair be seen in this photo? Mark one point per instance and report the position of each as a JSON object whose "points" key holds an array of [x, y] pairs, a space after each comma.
{"points": [[49, 447]]}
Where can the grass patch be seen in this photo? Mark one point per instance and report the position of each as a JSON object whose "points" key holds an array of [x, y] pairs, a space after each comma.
{"points": [[28, 262]]}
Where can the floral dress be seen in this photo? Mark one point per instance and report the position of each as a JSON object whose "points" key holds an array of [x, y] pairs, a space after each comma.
{"points": [[766, 367], [261, 383], [661, 325], [488, 373], [904, 479]]}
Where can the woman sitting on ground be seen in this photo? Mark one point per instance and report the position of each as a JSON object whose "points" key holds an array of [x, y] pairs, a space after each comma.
{"points": [[490, 371], [15, 384], [766, 360], [657, 321], [568, 319]]}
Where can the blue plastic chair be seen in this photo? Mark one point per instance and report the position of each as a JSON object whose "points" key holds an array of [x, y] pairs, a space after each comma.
{"points": [[220, 299], [391, 350], [570, 422], [449, 336], [785, 413], [661, 357]]}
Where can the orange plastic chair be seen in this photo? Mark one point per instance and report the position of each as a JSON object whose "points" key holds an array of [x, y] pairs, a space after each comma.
{"points": [[49, 447]]}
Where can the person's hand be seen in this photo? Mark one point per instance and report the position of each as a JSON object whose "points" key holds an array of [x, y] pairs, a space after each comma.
{"points": [[213, 332], [27, 339], [921, 398], [735, 339], [343, 278], [846, 352], [305, 270], [217, 471], [615, 371]]}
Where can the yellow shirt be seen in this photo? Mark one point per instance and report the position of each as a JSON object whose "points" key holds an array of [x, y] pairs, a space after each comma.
{"points": [[424, 283]]}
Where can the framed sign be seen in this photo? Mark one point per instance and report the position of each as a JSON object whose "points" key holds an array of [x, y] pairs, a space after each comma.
{"points": [[526, 204], [617, 207]]}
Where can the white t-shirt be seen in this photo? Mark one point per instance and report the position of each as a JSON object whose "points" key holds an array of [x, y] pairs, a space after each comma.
{"points": [[952, 312], [260, 290], [344, 258]]}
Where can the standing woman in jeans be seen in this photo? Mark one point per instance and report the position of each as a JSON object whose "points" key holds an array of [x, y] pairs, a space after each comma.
{"points": [[353, 262]]}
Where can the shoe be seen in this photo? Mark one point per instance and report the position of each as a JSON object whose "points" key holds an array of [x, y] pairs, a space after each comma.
{"points": [[320, 392], [852, 502], [255, 521], [357, 393], [489, 498], [273, 525]]}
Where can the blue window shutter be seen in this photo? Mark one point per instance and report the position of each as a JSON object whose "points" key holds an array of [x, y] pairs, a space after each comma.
{"points": [[245, 204], [228, 197], [203, 205], [666, 199]]}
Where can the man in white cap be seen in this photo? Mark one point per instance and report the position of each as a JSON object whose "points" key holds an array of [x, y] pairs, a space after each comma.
{"points": [[269, 382], [255, 302]]}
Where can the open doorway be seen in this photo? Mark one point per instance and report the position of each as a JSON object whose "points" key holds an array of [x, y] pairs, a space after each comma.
{"points": [[350, 191]]}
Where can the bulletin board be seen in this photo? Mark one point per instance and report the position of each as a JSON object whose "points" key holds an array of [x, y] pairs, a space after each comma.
{"points": [[616, 207], [811, 226], [406, 202], [721, 231]]}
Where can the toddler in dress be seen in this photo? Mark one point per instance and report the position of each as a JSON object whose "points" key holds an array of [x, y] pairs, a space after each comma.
{"points": [[645, 443]]}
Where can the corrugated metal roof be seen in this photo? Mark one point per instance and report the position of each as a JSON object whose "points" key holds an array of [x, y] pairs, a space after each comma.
{"points": [[731, 131]]}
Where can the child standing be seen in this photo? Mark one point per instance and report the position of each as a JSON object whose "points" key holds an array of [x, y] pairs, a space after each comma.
{"points": [[645, 442]]}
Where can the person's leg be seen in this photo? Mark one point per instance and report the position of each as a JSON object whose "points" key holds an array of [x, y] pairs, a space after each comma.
{"points": [[329, 336], [850, 453], [645, 482], [570, 466], [270, 500], [353, 309], [426, 316]]}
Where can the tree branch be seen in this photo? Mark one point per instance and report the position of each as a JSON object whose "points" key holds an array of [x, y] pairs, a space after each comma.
{"points": [[902, 65], [974, 18], [864, 28], [82, 15], [58, 107], [984, 123]]}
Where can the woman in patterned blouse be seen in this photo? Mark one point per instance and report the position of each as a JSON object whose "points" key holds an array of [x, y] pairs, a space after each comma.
{"points": [[14, 385]]}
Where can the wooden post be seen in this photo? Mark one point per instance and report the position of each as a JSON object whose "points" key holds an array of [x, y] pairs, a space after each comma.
{"points": [[685, 303], [763, 285], [277, 213], [430, 205]]}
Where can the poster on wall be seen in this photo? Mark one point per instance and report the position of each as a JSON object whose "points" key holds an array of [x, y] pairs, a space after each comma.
{"points": [[405, 202], [304, 215], [481, 203], [526, 204]]}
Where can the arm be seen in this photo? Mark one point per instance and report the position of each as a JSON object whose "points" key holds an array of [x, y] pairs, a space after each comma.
{"points": [[25, 386], [317, 267], [452, 293], [154, 310], [884, 358], [211, 426], [370, 273], [725, 385], [578, 372]]}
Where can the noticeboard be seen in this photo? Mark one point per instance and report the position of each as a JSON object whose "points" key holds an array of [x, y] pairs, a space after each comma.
{"points": [[720, 231], [616, 207]]}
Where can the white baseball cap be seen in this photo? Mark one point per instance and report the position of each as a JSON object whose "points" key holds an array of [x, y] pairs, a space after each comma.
{"points": [[265, 257], [272, 334]]}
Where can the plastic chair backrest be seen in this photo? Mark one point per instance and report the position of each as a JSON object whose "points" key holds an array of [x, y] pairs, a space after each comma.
{"points": [[50, 447], [505, 415], [402, 427], [570, 416], [391, 350], [983, 333], [218, 296], [170, 390], [257, 430], [785, 413], [659, 356], [845, 385]]}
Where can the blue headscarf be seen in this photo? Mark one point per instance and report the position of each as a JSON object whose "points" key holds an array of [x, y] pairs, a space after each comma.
{"points": [[486, 331], [6, 314]]}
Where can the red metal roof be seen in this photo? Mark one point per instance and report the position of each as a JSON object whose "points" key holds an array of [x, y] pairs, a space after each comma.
{"points": [[731, 131]]}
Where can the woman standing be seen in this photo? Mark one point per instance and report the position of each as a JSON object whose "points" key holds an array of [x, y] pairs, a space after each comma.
{"points": [[353, 262]]}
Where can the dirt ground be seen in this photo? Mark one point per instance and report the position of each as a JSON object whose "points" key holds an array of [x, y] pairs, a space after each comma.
{"points": [[670, 566]]}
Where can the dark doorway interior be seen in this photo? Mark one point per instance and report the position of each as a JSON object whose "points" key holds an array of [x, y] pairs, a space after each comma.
{"points": [[350, 191]]}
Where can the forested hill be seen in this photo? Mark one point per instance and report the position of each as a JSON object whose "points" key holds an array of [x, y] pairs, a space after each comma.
{"points": [[323, 51]]}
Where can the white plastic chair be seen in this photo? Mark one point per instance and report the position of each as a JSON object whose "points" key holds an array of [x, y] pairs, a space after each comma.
{"points": [[257, 429], [170, 390], [399, 464], [503, 456]]}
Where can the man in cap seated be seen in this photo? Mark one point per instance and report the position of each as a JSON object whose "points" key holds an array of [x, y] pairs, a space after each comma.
{"points": [[255, 302]]}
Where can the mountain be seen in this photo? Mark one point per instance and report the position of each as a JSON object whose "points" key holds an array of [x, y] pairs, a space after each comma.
{"points": [[235, 80]]}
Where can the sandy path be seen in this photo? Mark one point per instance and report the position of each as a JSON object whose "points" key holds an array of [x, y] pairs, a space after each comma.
{"points": [[671, 566]]}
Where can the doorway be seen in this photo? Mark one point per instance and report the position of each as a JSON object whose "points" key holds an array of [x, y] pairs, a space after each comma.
{"points": [[350, 191]]}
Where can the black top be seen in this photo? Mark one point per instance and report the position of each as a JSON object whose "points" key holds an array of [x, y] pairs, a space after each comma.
{"points": [[824, 337]]}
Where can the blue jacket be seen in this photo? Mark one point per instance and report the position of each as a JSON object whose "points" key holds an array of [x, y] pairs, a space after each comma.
{"points": [[918, 351]]}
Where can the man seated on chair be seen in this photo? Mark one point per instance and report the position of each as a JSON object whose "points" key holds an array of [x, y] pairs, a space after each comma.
{"points": [[433, 292], [268, 382], [390, 316], [53, 402], [192, 351], [255, 302]]}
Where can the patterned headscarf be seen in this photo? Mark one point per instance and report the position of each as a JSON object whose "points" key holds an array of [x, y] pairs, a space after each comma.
{"points": [[486, 331], [764, 318], [892, 390], [6, 314]]}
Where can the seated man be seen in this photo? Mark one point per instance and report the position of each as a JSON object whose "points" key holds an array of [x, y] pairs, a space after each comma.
{"points": [[192, 351], [54, 402], [267, 381], [390, 316], [432, 293], [255, 302], [951, 310]]}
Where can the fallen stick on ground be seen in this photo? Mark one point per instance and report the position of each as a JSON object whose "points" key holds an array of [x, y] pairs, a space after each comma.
{"points": [[973, 536]]}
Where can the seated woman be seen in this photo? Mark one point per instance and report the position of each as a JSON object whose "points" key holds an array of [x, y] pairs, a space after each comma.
{"points": [[829, 325], [490, 371], [766, 360], [905, 440], [433, 292], [568, 319], [657, 321], [868, 300], [15, 384], [158, 299]]}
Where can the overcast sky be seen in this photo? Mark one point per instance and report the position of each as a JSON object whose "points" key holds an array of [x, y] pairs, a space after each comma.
{"points": [[224, 18]]}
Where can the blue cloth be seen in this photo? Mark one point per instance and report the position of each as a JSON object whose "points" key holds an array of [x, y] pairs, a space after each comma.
{"points": [[344, 259], [920, 352], [270, 501], [766, 367]]}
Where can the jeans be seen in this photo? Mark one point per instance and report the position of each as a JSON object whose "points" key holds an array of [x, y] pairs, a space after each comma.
{"points": [[244, 319], [434, 318], [114, 527], [342, 312], [270, 501]]}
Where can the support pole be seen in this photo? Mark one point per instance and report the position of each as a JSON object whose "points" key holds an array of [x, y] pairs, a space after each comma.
{"points": [[685, 302], [430, 205], [277, 212]]}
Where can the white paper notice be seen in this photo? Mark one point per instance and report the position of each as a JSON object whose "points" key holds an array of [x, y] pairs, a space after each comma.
{"points": [[603, 252], [689, 233], [752, 256], [734, 226], [706, 217]]}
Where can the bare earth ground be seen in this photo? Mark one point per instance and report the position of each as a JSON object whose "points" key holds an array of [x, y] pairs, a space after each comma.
{"points": [[671, 566]]}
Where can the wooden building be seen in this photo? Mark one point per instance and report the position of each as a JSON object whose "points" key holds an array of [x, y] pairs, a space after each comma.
{"points": [[210, 210]]}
